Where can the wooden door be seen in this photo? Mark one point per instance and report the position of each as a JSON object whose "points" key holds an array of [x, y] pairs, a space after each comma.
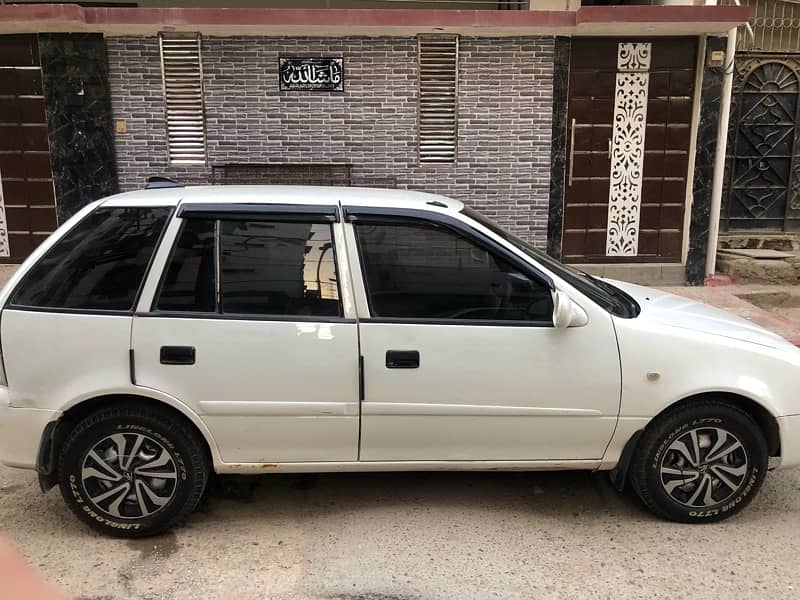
{"points": [[27, 201], [629, 133]]}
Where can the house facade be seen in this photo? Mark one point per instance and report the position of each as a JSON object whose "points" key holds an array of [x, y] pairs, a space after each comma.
{"points": [[590, 131]]}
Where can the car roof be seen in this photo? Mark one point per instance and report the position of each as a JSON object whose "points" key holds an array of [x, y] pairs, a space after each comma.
{"points": [[284, 194]]}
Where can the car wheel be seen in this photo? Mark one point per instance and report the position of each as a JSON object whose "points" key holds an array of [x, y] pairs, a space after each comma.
{"points": [[129, 471], [701, 463]]}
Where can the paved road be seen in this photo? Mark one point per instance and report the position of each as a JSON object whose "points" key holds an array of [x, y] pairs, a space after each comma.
{"points": [[417, 536]]}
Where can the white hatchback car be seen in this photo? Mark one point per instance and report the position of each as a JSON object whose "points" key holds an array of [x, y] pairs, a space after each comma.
{"points": [[164, 334]]}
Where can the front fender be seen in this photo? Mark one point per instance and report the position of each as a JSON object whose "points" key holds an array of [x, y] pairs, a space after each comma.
{"points": [[662, 365]]}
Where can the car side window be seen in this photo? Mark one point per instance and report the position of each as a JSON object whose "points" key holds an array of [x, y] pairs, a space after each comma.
{"points": [[419, 270], [267, 268], [274, 268], [189, 281], [99, 264]]}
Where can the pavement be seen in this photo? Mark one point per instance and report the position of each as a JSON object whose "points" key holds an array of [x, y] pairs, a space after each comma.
{"points": [[415, 536], [420, 536]]}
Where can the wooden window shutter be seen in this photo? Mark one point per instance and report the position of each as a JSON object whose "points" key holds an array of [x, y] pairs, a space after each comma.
{"points": [[437, 112], [182, 76]]}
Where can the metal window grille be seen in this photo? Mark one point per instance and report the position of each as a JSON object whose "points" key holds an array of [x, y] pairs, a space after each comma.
{"points": [[774, 26], [437, 111], [182, 76]]}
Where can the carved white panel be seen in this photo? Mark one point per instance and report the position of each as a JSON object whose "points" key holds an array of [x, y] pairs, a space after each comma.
{"points": [[5, 249], [633, 57], [627, 149]]}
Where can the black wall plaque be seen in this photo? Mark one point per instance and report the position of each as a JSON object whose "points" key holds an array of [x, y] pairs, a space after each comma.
{"points": [[317, 74]]}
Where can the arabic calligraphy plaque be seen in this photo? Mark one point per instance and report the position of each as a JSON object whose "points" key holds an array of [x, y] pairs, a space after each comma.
{"points": [[315, 74]]}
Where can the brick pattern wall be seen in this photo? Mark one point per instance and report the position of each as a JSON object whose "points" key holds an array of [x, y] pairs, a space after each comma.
{"points": [[505, 106]]}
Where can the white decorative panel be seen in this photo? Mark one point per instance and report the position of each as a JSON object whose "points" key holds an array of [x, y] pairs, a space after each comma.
{"points": [[627, 149], [5, 249], [633, 57]]}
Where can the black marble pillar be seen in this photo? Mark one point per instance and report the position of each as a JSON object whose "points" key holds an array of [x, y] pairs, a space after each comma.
{"points": [[706, 145], [78, 107], [558, 146]]}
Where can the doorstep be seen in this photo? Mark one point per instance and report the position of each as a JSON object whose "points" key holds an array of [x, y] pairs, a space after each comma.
{"points": [[650, 274]]}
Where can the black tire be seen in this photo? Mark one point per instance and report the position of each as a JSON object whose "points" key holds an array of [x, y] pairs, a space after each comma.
{"points": [[162, 436], [661, 447]]}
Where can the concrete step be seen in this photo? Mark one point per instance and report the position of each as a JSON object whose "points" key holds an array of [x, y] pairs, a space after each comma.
{"points": [[745, 270], [650, 274]]}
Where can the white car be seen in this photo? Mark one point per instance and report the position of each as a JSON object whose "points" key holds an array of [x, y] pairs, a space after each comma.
{"points": [[163, 335]]}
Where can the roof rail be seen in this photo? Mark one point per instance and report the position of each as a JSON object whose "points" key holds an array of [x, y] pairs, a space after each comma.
{"points": [[158, 182]]}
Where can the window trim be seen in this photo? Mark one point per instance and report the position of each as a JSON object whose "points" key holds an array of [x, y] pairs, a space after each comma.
{"points": [[245, 211], [207, 316], [153, 309], [388, 216], [218, 300], [92, 311]]}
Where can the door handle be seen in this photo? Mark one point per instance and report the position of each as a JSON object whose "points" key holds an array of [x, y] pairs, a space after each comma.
{"points": [[402, 359], [177, 355], [571, 151]]}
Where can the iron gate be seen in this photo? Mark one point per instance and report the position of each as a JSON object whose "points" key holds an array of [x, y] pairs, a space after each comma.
{"points": [[763, 179]]}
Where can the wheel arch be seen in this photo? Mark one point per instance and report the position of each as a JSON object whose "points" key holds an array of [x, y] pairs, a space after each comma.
{"points": [[55, 434], [765, 420]]}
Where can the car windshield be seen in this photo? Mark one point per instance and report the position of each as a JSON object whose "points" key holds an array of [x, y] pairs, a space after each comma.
{"points": [[610, 297]]}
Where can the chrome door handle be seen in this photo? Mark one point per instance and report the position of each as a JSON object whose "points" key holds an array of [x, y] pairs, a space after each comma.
{"points": [[571, 151]]}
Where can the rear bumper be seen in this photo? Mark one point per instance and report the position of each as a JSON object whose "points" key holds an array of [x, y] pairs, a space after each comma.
{"points": [[790, 441], [21, 432]]}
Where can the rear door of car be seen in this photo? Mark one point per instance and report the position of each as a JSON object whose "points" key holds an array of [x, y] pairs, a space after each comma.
{"points": [[248, 324], [67, 323], [461, 360]]}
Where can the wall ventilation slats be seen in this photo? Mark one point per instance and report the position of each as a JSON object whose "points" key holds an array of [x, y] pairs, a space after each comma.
{"points": [[437, 135], [182, 73]]}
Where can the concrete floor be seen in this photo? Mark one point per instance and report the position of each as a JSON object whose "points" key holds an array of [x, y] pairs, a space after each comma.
{"points": [[418, 536]]}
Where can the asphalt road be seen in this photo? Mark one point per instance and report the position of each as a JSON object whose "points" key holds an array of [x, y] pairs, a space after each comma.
{"points": [[417, 536]]}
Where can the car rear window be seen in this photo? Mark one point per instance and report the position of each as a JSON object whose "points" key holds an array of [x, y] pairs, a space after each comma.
{"points": [[99, 264]]}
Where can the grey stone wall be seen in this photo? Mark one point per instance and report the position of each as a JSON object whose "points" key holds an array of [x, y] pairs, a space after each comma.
{"points": [[505, 106]]}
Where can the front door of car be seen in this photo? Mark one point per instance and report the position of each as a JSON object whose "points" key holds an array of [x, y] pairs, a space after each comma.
{"points": [[460, 356], [247, 325]]}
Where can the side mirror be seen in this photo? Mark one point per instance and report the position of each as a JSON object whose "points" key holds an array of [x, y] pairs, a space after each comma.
{"points": [[566, 313]]}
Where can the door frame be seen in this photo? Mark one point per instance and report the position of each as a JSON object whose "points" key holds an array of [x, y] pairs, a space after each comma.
{"points": [[382, 410], [329, 213]]}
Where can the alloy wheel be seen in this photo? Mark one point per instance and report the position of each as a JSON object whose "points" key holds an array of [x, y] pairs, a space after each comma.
{"points": [[129, 475], [704, 467]]}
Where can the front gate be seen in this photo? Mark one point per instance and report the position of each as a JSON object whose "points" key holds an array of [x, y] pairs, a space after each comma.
{"points": [[763, 176]]}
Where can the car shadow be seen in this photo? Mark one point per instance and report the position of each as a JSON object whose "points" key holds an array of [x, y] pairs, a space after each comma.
{"points": [[559, 494]]}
